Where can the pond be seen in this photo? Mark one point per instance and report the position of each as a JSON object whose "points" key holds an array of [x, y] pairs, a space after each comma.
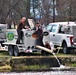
{"points": [[42, 73]]}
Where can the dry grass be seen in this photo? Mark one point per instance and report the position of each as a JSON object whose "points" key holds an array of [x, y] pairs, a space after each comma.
{"points": [[5, 68]]}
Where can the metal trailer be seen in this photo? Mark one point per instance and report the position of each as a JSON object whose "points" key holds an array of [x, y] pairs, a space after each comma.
{"points": [[27, 45], [28, 42]]}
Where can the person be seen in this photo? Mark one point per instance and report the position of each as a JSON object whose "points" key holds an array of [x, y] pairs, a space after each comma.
{"points": [[39, 33], [39, 29], [19, 28]]}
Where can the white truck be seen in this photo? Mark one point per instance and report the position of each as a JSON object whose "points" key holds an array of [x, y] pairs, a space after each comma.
{"points": [[3, 28], [61, 34]]}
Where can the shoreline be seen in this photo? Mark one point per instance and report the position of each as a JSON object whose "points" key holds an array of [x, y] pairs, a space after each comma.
{"points": [[36, 63]]}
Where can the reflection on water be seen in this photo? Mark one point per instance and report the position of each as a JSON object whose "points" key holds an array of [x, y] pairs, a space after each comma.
{"points": [[42, 73]]}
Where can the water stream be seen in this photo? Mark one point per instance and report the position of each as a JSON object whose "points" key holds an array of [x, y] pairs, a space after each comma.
{"points": [[61, 66]]}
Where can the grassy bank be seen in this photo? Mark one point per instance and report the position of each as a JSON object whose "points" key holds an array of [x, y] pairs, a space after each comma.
{"points": [[34, 61]]}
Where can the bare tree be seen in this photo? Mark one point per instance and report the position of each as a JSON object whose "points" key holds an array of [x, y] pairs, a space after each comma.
{"points": [[13, 10], [42, 9], [66, 10]]}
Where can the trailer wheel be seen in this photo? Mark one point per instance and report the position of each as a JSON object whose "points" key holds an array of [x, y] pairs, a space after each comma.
{"points": [[16, 51], [10, 50]]}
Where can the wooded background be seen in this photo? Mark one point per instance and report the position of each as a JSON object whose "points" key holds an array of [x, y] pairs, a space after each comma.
{"points": [[43, 10]]}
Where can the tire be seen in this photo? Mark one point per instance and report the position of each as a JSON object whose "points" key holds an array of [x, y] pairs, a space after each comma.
{"points": [[10, 50], [65, 49], [16, 51]]}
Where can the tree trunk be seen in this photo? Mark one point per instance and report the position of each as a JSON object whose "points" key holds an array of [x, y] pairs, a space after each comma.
{"points": [[28, 9]]}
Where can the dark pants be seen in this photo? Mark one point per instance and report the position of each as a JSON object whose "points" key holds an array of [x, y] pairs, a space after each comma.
{"points": [[19, 36], [39, 41]]}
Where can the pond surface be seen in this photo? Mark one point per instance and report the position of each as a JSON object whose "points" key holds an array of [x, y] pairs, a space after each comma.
{"points": [[42, 73]]}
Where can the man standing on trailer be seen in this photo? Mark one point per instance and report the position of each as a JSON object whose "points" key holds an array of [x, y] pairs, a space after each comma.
{"points": [[19, 28]]}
